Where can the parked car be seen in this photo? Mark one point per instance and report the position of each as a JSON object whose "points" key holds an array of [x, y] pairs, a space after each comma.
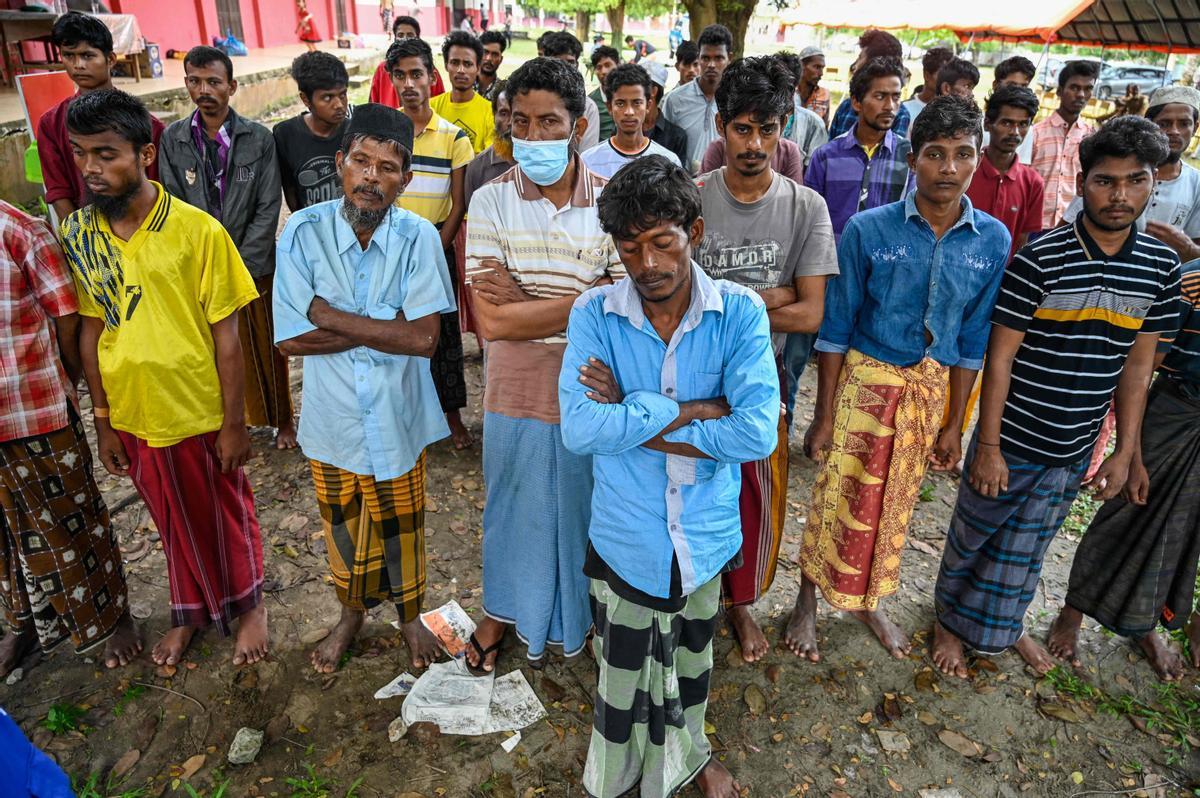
{"points": [[1114, 79]]}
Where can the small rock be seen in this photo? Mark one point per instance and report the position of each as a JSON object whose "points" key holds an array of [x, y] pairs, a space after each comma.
{"points": [[140, 610], [245, 746], [755, 699], [15, 676], [397, 729], [945, 792]]}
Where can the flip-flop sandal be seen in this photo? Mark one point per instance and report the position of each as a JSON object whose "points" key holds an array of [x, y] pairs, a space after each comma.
{"points": [[483, 653]]}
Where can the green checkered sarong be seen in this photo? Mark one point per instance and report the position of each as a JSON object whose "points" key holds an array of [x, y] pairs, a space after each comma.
{"points": [[648, 729]]}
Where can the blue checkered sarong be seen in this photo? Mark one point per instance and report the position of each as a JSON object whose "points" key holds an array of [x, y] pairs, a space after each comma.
{"points": [[994, 550]]}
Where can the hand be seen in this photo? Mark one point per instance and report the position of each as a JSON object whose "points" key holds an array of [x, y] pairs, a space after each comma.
{"points": [[818, 439], [318, 312], [1137, 487], [1111, 477], [988, 472], [497, 285], [603, 383], [1174, 238], [947, 451], [110, 449], [233, 447]]}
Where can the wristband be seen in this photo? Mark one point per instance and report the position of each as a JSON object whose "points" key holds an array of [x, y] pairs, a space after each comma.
{"points": [[99, 412], [985, 443]]}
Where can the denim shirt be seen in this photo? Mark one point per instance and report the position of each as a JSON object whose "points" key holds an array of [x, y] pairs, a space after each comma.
{"points": [[650, 508], [898, 280]]}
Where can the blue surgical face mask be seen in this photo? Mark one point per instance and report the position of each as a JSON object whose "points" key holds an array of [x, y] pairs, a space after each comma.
{"points": [[543, 162]]}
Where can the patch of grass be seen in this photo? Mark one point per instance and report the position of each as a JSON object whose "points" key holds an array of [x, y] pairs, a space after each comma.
{"points": [[63, 717], [928, 492], [352, 790], [218, 790], [127, 698], [93, 787], [1080, 517], [311, 785]]}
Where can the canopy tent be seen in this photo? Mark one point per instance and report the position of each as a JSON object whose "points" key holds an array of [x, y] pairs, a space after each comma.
{"points": [[1016, 19], [1168, 26]]}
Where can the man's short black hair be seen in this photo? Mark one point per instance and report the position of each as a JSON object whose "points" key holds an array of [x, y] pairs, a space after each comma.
{"points": [[75, 28], [409, 21], [460, 38], [500, 90], [1077, 69], [1020, 97], [541, 40], [860, 82], [553, 75], [935, 58], [1015, 63], [757, 85], [627, 75], [319, 71], [791, 61], [605, 51], [715, 35], [687, 52], [1122, 137], [646, 192], [946, 117], [880, 44], [110, 110], [493, 37], [560, 43], [410, 48], [957, 69], [629, 38], [202, 55]]}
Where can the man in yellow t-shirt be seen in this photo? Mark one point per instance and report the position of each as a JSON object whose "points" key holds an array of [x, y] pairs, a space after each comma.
{"points": [[462, 106], [159, 285]]}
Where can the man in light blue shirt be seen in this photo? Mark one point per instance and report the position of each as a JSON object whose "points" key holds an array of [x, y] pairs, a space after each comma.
{"points": [[693, 106], [669, 382], [359, 289]]}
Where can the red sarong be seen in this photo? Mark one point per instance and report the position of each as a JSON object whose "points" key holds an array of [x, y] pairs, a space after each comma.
{"points": [[208, 527]]}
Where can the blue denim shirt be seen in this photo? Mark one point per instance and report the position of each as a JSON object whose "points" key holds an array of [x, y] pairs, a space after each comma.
{"points": [[897, 280], [649, 507], [364, 411]]}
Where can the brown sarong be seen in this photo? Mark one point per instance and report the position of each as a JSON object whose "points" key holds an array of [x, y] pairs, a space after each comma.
{"points": [[60, 565], [886, 420], [268, 395]]}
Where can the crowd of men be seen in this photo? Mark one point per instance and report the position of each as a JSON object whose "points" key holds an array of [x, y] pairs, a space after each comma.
{"points": [[649, 281]]}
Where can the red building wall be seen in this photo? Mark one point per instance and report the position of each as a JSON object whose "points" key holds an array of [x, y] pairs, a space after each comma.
{"points": [[180, 24]]}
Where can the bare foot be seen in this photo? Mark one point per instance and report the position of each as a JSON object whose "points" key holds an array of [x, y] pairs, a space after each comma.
{"points": [[750, 636], [423, 648], [717, 782], [169, 650], [890, 635], [948, 652], [285, 436], [14, 647], [1163, 658], [801, 632], [326, 656], [459, 433], [488, 633], [1034, 655], [124, 644], [1064, 635], [1193, 635], [252, 639]]}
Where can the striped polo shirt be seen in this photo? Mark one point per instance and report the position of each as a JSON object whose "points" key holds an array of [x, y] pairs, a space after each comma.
{"points": [[438, 150], [1182, 362], [1081, 311]]}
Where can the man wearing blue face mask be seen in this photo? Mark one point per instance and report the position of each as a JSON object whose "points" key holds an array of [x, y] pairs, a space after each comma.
{"points": [[534, 243]]}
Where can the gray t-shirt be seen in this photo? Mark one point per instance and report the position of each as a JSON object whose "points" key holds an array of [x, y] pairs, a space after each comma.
{"points": [[767, 243]]}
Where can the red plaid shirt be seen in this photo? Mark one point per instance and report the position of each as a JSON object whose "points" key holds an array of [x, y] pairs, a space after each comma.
{"points": [[35, 286]]}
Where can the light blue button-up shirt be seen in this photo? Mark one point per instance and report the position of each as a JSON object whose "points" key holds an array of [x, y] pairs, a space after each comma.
{"points": [[364, 411], [648, 507]]}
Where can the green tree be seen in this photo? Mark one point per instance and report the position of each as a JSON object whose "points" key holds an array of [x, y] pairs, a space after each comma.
{"points": [[620, 10], [733, 14]]}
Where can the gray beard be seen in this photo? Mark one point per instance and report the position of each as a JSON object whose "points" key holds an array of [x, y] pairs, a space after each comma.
{"points": [[360, 219]]}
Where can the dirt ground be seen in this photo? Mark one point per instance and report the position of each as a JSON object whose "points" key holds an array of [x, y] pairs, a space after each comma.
{"points": [[857, 724]]}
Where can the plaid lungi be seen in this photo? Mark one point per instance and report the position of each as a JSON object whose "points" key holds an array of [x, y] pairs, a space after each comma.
{"points": [[60, 565], [648, 724], [993, 556], [375, 535]]}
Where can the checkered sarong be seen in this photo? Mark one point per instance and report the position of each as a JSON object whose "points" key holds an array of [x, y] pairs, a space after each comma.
{"points": [[60, 565]]}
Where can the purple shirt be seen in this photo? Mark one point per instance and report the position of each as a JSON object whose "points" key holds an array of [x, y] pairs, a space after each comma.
{"points": [[841, 173], [214, 155]]}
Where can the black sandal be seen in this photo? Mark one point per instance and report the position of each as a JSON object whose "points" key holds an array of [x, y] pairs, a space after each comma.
{"points": [[483, 653]]}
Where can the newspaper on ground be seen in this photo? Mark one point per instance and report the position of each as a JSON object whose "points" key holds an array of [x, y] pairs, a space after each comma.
{"points": [[459, 703], [451, 625], [401, 685]]}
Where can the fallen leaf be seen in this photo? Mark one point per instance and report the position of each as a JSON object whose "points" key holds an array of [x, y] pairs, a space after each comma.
{"points": [[125, 764], [165, 671], [866, 718], [1077, 777], [755, 699], [925, 680], [191, 766], [773, 673], [957, 742], [893, 741], [992, 756], [923, 547], [927, 718], [709, 728], [1062, 712], [894, 785], [821, 731], [333, 758], [891, 708], [777, 737]]}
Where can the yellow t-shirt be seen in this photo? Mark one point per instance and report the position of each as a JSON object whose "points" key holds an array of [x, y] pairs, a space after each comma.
{"points": [[474, 117], [158, 294], [438, 150]]}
